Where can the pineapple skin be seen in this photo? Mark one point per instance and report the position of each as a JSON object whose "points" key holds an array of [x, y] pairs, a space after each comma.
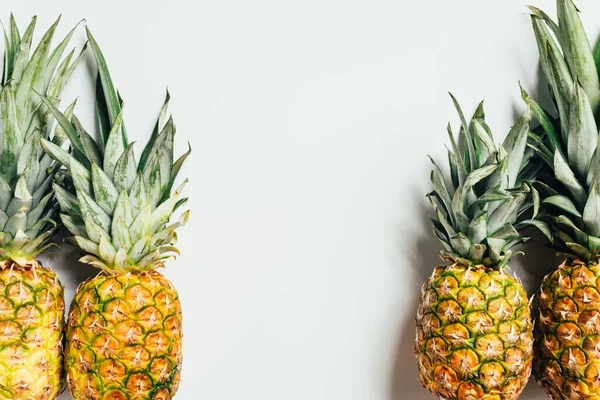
{"points": [[31, 332], [124, 338], [474, 334], [568, 330]]}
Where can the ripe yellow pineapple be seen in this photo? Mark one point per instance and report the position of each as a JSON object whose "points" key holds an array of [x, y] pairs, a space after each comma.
{"points": [[568, 351], [474, 336], [31, 297], [124, 331], [568, 322], [31, 332], [124, 337]]}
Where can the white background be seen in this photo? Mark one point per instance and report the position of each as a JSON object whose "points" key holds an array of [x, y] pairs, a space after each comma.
{"points": [[310, 123]]}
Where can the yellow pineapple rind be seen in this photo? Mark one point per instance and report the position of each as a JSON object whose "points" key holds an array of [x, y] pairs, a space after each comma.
{"points": [[124, 338], [31, 332], [474, 334], [568, 327]]}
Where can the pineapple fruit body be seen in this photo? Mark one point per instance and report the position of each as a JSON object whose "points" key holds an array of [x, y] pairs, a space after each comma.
{"points": [[124, 338], [31, 332], [568, 345], [124, 329], [474, 334], [31, 297], [568, 349]]}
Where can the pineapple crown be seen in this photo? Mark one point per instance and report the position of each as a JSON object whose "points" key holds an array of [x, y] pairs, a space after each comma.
{"points": [[118, 209], [477, 222], [569, 145], [27, 204]]}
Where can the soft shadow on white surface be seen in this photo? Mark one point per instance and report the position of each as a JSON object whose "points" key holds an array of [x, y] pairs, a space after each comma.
{"points": [[65, 396], [71, 273], [64, 261], [404, 383]]}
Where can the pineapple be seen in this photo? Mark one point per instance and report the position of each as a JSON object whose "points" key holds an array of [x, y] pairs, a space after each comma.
{"points": [[474, 336], [568, 350], [124, 331], [31, 297]]}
